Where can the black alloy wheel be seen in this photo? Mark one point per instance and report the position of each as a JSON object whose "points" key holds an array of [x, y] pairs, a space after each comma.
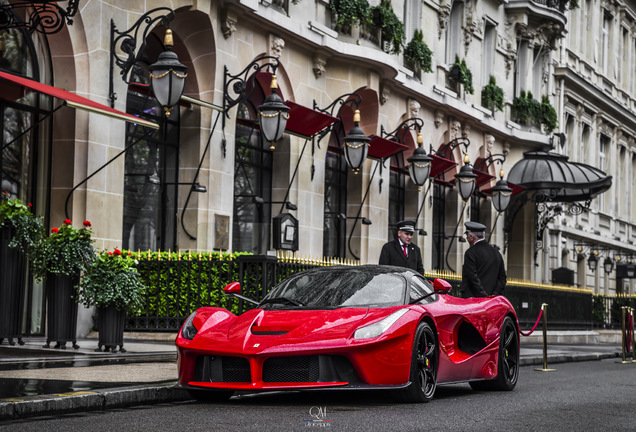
{"points": [[424, 363]]}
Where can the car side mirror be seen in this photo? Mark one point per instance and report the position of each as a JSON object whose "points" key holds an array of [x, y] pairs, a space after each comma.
{"points": [[232, 288], [441, 286]]}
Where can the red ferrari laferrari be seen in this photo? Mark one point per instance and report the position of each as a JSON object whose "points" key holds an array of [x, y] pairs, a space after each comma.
{"points": [[366, 327]]}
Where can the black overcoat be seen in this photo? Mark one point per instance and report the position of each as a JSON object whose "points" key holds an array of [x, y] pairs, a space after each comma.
{"points": [[483, 273], [392, 254]]}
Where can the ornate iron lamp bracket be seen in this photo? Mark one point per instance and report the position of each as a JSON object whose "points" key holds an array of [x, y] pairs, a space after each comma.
{"points": [[44, 16], [355, 101], [126, 42]]}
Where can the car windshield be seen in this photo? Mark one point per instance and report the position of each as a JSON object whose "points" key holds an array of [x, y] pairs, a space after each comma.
{"points": [[335, 288]]}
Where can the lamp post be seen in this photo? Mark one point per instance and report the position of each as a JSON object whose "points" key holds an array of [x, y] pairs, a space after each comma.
{"points": [[272, 114], [592, 261], [167, 75], [466, 179], [501, 194], [356, 145], [608, 265]]}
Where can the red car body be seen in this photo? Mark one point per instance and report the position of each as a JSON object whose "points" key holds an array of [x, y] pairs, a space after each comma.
{"points": [[270, 345]]}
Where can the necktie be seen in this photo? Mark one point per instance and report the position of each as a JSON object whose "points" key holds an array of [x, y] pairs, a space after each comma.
{"points": [[404, 248]]}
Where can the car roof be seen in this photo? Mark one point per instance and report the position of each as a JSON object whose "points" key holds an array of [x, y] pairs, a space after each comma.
{"points": [[367, 268]]}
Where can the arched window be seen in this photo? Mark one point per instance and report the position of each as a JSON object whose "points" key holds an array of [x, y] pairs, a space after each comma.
{"points": [[334, 231], [397, 188]]}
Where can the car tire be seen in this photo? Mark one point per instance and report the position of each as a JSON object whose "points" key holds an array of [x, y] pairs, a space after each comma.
{"points": [[508, 367], [424, 363], [211, 395]]}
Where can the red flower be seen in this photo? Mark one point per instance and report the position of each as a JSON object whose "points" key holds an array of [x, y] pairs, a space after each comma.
{"points": [[55, 230], [87, 224], [110, 253], [129, 253], [67, 222], [29, 205], [117, 252]]}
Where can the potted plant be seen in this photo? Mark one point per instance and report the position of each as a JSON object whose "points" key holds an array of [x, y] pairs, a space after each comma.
{"points": [[60, 259], [492, 96], [462, 74], [20, 231], [351, 12], [112, 285], [528, 110], [418, 53], [548, 115], [392, 28]]}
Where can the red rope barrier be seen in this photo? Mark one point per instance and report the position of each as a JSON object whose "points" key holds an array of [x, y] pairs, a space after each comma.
{"points": [[533, 328]]}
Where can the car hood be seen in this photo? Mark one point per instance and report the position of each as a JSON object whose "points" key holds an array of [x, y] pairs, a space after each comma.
{"points": [[258, 330]]}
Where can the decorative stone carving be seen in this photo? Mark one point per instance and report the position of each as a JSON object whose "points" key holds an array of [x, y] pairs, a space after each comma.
{"points": [[276, 46], [442, 18], [414, 108], [455, 130], [489, 143], [229, 18], [320, 61], [506, 148], [438, 119], [466, 130], [385, 93]]}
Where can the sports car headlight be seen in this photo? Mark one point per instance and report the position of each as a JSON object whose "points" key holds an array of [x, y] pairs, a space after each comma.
{"points": [[189, 331], [376, 329]]}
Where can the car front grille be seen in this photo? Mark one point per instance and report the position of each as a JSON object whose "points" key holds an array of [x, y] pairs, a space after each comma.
{"points": [[291, 369], [229, 369]]}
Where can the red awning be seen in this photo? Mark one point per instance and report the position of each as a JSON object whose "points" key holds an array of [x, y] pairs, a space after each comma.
{"points": [[382, 148], [306, 122], [515, 189], [482, 178], [440, 165], [75, 101]]}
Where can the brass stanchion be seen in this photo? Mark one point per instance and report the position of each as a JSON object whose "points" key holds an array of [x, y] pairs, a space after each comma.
{"points": [[633, 344], [624, 335], [544, 309]]}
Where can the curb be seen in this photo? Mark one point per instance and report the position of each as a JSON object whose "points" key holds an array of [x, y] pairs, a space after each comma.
{"points": [[91, 401], [565, 358]]}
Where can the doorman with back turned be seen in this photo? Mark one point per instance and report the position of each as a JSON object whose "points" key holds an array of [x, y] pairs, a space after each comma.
{"points": [[401, 252], [483, 273]]}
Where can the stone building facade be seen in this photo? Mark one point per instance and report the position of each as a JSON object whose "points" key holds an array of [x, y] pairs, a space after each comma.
{"points": [[580, 60]]}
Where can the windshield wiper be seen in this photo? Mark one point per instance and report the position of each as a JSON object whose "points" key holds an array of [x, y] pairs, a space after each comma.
{"points": [[281, 300]]}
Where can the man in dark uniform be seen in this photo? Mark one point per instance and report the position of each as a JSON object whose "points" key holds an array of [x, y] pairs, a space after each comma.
{"points": [[401, 252], [483, 273]]}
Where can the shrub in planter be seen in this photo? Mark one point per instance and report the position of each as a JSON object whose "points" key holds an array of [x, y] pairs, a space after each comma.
{"points": [[418, 53], [112, 279], [462, 74], [526, 110], [113, 286], [67, 251], [548, 115], [27, 229], [392, 28], [351, 12], [492, 96]]}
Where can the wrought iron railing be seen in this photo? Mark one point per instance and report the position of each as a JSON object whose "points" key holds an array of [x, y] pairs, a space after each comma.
{"points": [[180, 283]]}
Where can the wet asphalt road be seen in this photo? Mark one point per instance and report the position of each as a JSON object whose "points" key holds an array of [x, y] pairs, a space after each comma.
{"points": [[580, 396]]}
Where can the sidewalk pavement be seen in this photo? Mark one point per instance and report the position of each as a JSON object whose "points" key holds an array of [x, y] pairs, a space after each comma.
{"points": [[36, 381]]}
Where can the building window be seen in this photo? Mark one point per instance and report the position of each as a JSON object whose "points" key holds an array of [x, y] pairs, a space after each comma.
{"points": [[488, 63], [454, 36], [521, 67], [334, 232], [605, 41], [439, 223], [151, 174], [603, 147], [413, 17], [396, 202], [252, 187]]}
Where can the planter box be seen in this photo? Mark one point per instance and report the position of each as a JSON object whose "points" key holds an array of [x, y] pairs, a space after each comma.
{"points": [[110, 323], [61, 320], [12, 281]]}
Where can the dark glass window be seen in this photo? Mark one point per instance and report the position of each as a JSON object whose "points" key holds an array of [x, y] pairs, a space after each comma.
{"points": [[439, 222], [151, 174], [396, 202], [474, 208], [334, 233], [252, 186]]}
